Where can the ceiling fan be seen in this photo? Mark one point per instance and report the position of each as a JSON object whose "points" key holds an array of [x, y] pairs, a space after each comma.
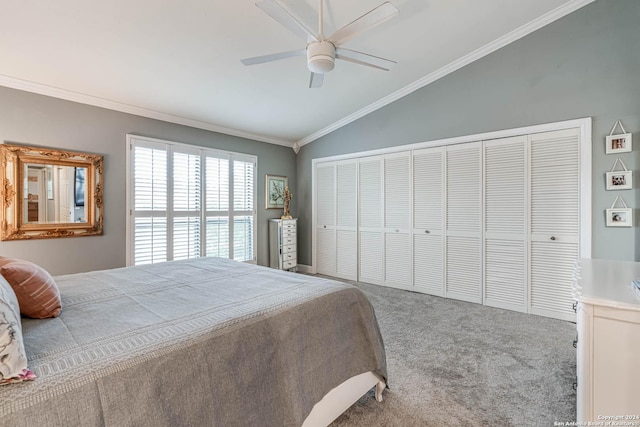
{"points": [[322, 51]]}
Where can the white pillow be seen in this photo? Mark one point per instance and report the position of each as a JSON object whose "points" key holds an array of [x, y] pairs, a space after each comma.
{"points": [[13, 360]]}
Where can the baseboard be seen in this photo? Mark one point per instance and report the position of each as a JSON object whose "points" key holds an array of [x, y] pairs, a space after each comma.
{"points": [[307, 269]]}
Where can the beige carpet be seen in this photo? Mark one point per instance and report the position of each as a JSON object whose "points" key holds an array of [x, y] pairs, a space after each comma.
{"points": [[452, 363]]}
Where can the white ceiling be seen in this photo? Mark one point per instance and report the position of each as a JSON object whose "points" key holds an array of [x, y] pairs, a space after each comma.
{"points": [[180, 60]]}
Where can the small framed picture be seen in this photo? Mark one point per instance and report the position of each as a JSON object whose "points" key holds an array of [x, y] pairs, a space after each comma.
{"points": [[620, 180], [620, 143], [274, 188], [619, 217]]}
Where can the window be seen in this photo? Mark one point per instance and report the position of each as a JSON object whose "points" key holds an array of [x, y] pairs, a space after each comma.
{"points": [[187, 202]]}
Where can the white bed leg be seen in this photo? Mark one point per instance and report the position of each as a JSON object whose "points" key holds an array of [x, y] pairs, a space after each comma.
{"points": [[379, 389]]}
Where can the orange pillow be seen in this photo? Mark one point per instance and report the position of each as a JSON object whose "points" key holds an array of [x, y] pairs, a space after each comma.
{"points": [[37, 292]]}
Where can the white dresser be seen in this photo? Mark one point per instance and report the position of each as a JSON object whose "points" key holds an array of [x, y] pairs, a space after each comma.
{"points": [[608, 342], [283, 246]]}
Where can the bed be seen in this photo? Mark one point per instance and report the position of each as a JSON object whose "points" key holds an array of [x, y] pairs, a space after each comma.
{"points": [[197, 342]]}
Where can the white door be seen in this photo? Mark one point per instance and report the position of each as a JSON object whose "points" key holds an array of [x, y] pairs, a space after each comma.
{"points": [[463, 256], [370, 218], [555, 221], [505, 223], [66, 197], [325, 219], [346, 249], [397, 221], [428, 207]]}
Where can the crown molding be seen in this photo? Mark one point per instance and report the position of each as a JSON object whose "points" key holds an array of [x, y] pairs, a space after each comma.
{"points": [[481, 52], [81, 98]]}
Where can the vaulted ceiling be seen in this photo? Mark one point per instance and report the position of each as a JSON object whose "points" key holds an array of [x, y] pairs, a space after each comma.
{"points": [[180, 60]]}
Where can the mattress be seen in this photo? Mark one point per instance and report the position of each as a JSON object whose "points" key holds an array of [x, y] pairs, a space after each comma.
{"points": [[198, 342]]}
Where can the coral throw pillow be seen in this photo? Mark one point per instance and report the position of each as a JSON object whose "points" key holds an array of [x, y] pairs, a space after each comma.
{"points": [[37, 292]]}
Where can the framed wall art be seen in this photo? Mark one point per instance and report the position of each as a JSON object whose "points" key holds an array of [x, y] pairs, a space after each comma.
{"points": [[619, 180], [618, 143], [274, 188], [619, 216]]}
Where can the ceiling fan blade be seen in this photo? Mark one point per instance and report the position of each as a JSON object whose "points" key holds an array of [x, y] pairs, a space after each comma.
{"points": [[316, 80], [286, 19], [273, 57], [364, 59], [367, 21]]}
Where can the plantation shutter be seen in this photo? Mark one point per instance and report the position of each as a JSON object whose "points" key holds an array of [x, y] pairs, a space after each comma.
{"points": [[150, 204], [555, 207], [428, 255], [189, 202], [243, 210], [186, 204], [217, 207], [506, 223], [463, 201]]}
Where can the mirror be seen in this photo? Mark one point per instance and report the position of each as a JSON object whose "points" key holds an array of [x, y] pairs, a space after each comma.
{"points": [[49, 193]]}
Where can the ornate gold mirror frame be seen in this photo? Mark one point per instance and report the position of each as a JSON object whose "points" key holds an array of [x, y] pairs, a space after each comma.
{"points": [[74, 209]]}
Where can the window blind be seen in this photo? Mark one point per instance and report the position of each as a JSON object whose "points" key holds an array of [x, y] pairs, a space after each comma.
{"points": [[188, 202]]}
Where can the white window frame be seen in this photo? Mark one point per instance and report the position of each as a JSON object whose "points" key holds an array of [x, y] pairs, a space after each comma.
{"points": [[204, 152]]}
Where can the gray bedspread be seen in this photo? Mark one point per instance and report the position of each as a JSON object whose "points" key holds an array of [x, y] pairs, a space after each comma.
{"points": [[205, 342]]}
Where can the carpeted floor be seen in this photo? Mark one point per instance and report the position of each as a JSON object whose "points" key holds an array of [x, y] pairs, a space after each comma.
{"points": [[452, 363]]}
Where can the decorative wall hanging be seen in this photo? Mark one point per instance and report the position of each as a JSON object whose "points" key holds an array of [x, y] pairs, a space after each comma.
{"points": [[618, 143], [619, 180], [619, 217], [274, 187]]}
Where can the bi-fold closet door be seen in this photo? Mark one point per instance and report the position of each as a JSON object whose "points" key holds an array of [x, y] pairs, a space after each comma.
{"points": [[336, 219], [447, 221], [495, 222], [384, 206], [532, 222]]}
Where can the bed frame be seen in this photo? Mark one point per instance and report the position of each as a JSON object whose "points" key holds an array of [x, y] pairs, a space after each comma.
{"points": [[338, 400]]}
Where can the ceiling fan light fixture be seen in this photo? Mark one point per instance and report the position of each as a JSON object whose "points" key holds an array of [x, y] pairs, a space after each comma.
{"points": [[321, 57]]}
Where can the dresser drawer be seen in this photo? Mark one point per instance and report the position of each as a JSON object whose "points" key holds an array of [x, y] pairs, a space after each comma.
{"points": [[289, 264], [288, 225], [289, 248], [288, 240], [289, 256], [289, 233]]}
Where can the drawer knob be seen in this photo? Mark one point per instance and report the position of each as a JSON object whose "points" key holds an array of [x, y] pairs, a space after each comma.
{"points": [[427, 231], [324, 226], [553, 237]]}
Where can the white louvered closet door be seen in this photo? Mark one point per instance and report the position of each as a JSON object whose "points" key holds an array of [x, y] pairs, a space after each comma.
{"points": [[397, 221], [428, 207], [555, 221], [505, 219], [326, 218], [463, 259], [347, 220], [371, 225]]}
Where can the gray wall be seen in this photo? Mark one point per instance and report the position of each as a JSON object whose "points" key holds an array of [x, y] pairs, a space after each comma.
{"points": [[28, 118], [586, 64]]}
